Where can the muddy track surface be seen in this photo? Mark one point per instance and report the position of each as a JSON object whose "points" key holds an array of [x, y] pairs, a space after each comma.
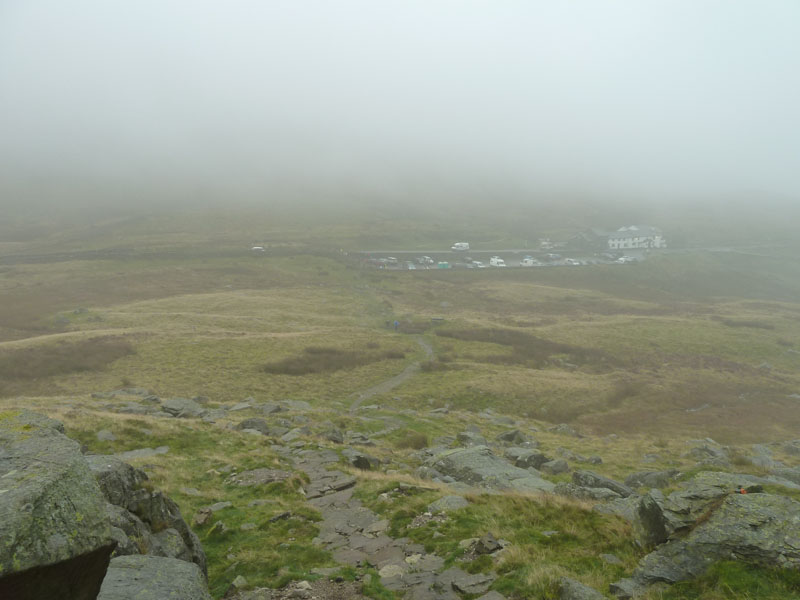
{"points": [[389, 384]]}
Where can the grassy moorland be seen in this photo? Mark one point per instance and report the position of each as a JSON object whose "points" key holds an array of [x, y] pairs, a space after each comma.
{"points": [[685, 345]]}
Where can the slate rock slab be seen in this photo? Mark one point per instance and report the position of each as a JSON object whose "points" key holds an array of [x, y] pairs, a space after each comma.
{"points": [[140, 577]]}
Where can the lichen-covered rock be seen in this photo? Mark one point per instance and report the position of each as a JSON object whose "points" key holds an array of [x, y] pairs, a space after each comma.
{"points": [[478, 466], [659, 519], [760, 529], [55, 539], [139, 577]]}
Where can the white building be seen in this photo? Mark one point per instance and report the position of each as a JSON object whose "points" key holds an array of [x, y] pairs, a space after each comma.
{"points": [[636, 237]]}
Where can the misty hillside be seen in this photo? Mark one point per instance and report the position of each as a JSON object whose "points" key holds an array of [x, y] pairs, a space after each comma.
{"points": [[399, 300]]}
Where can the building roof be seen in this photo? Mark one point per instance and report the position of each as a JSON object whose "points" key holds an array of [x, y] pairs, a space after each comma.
{"points": [[634, 231]]}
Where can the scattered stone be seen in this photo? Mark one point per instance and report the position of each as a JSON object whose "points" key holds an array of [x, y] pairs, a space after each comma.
{"points": [[709, 454], [256, 424], [298, 405], [611, 559], [463, 582], [142, 453], [487, 544], [104, 435], [280, 517], [202, 517], [271, 408], [258, 477], [391, 571], [334, 435], [218, 506], [239, 582], [469, 438], [575, 590], [514, 437], [448, 503], [190, 491], [182, 408], [492, 596], [564, 429], [240, 406], [554, 467], [584, 493], [590, 479], [651, 479], [525, 458]]}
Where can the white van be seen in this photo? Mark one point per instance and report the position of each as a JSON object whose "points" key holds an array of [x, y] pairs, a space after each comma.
{"points": [[458, 246], [496, 261]]}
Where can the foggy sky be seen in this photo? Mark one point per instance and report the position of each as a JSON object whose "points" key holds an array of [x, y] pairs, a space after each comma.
{"points": [[648, 99]]}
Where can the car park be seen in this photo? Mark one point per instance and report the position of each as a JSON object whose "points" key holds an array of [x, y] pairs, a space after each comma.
{"points": [[529, 261]]}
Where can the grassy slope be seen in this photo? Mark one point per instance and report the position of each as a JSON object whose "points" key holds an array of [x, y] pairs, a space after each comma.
{"points": [[685, 331]]}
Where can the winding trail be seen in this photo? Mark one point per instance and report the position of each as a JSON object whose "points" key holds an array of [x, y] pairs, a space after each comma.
{"points": [[389, 384]]}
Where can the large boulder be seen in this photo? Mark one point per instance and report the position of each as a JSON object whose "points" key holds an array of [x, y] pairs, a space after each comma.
{"points": [[166, 533], [761, 529], [660, 518], [55, 538], [479, 467], [141, 577]]}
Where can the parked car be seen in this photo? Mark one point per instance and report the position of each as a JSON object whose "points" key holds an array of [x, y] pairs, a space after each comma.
{"points": [[458, 246], [496, 261], [623, 260], [425, 260], [478, 264], [529, 261], [572, 262]]}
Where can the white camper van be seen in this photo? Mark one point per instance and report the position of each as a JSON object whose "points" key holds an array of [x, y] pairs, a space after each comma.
{"points": [[496, 261], [460, 246]]}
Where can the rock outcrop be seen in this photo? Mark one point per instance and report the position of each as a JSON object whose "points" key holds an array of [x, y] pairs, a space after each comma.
{"points": [[143, 521], [761, 529], [62, 515], [55, 538]]}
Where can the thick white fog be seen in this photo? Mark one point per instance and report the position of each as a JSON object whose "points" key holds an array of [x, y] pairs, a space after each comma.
{"points": [[206, 100]]}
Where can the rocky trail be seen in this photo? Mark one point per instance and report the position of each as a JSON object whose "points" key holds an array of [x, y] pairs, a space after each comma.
{"points": [[358, 537], [389, 384]]}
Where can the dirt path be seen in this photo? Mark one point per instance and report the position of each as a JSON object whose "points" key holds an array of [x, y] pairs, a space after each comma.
{"points": [[390, 384]]}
